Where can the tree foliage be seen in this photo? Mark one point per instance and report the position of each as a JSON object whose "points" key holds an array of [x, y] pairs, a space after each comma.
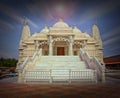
{"points": [[8, 62]]}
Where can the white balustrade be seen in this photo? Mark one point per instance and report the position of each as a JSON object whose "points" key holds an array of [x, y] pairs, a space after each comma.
{"points": [[24, 63], [83, 75], [27, 59], [94, 64], [60, 75], [35, 54], [24, 66], [37, 75]]}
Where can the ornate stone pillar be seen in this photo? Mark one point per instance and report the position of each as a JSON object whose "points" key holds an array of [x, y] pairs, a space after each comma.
{"points": [[36, 45], [50, 46], [71, 46], [83, 44]]}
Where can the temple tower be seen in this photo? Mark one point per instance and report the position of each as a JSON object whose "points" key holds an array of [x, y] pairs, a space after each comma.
{"points": [[24, 37], [25, 32], [97, 38]]}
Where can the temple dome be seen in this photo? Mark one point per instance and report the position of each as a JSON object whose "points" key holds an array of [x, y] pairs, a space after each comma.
{"points": [[45, 30], [60, 24], [35, 34], [86, 34], [76, 30]]}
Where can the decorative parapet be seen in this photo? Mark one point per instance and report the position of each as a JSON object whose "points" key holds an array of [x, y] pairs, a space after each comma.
{"points": [[93, 63]]}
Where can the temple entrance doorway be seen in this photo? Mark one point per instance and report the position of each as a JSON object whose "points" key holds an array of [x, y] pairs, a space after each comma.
{"points": [[60, 51], [60, 48]]}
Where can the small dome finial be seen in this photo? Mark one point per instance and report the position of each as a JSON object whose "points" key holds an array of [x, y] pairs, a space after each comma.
{"points": [[75, 26], [25, 21], [60, 19], [45, 26], [95, 23]]}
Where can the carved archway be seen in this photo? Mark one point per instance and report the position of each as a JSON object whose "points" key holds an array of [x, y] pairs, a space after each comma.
{"points": [[60, 45], [44, 45], [60, 39]]}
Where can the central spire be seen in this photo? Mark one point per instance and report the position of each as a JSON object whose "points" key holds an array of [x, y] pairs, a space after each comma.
{"points": [[60, 19], [60, 24]]}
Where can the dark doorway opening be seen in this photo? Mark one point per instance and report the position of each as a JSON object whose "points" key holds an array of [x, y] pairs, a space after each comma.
{"points": [[60, 51]]}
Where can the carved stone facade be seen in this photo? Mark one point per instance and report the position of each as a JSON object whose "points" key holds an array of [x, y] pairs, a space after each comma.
{"points": [[60, 39]]}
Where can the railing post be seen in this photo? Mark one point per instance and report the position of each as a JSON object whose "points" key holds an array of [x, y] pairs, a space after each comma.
{"points": [[95, 74], [103, 76], [19, 76], [50, 76], [23, 76], [69, 76]]}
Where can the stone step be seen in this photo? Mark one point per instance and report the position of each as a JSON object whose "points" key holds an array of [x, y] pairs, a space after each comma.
{"points": [[59, 58], [60, 67], [71, 65], [60, 62]]}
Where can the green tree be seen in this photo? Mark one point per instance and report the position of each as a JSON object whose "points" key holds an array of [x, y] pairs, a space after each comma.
{"points": [[8, 62]]}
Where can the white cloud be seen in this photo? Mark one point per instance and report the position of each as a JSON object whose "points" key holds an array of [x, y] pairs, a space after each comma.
{"points": [[32, 23], [114, 48], [4, 25], [111, 41], [14, 15], [99, 10], [111, 37], [10, 12], [114, 32]]}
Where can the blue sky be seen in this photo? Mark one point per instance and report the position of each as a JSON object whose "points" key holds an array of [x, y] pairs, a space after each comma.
{"points": [[83, 13]]}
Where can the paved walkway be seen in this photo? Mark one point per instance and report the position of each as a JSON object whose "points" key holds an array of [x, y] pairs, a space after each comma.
{"points": [[9, 88], [9, 80], [12, 90]]}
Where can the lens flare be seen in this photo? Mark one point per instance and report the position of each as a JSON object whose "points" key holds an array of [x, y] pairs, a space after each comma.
{"points": [[60, 10]]}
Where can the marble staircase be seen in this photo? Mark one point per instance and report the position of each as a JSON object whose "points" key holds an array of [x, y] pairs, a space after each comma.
{"points": [[60, 68], [60, 62]]}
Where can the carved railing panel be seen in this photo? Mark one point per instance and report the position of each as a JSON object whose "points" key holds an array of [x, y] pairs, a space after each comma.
{"points": [[52, 75]]}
